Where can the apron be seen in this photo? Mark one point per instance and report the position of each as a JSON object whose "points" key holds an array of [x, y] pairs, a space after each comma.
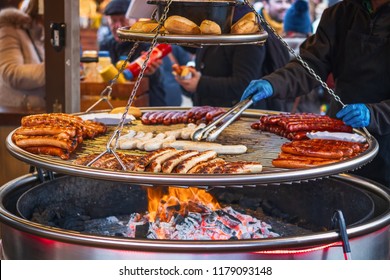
{"points": [[365, 78]]}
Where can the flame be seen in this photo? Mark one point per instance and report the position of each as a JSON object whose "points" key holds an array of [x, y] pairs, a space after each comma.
{"points": [[165, 203]]}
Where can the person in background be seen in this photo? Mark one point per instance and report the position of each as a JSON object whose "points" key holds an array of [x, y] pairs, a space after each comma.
{"points": [[274, 12], [22, 69], [9, 3], [297, 28], [352, 42], [163, 90], [221, 73]]}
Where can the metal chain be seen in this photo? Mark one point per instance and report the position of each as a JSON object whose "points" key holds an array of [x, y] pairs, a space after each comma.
{"points": [[297, 56], [117, 133], [143, 67]]}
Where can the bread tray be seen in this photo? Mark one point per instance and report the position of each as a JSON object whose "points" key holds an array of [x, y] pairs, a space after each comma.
{"points": [[194, 40], [262, 146]]}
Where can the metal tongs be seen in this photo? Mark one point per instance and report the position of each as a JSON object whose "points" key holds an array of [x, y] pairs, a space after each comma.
{"points": [[211, 132]]}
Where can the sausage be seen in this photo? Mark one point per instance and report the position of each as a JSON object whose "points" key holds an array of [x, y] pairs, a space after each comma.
{"points": [[37, 141], [205, 166], [171, 162], [313, 151], [236, 167], [175, 117], [146, 159], [255, 125], [155, 164], [187, 164], [145, 118], [301, 162], [214, 113], [168, 118], [47, 130], [49, 150]]}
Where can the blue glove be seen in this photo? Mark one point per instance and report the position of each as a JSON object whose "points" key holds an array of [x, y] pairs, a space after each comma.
{"points": [[258, 89], [355, 115]]}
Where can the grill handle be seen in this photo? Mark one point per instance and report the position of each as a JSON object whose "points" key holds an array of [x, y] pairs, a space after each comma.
{"points": [[338, 222]]}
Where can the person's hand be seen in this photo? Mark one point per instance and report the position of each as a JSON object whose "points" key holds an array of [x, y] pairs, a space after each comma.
{"points": [[190, 84], [355, 115], [152, 67], [258, 90]]}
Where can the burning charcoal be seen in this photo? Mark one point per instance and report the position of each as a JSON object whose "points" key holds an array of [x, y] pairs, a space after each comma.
{"points": [[141, 231], [195, 218], [246, 235], [223, 227], [227, 219], [120, 234], [173, 203], [135, 217], [179, 219], [112, 219], [198, 207], [211, 218]]}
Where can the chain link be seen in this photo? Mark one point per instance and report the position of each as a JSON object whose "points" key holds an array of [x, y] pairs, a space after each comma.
{"points": [[141, 74]]}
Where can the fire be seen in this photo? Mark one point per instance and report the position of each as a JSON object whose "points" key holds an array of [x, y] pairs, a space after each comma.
{"points": [[163, 203]]}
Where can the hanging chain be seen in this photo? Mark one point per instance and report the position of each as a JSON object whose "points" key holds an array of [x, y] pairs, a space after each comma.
{"points": [[141, 74], [117, 133]]}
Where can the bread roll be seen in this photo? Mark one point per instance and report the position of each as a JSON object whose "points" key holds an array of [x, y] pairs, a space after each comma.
{"points": [[147, 26], [246, 25], [136, 112], [181, 25], [210, 27]]}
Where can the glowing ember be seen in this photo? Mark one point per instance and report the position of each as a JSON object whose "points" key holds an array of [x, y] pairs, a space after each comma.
{"points": [[193, 214]]}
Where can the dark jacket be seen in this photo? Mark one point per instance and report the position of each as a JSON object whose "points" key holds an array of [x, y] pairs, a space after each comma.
{"points": [[355, 47], [226, 72]]}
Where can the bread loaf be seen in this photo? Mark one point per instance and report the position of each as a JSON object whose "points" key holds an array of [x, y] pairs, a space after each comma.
{"points": [[147, 26], [246, 25], [181, 25], [210, 27], [136, 112]]}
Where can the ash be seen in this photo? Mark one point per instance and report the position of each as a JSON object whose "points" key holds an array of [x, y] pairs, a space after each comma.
{"points": [[222, 224]]}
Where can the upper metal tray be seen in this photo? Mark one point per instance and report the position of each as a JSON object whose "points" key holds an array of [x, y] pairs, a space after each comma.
{"points": [[262, 146], [194, 40]]}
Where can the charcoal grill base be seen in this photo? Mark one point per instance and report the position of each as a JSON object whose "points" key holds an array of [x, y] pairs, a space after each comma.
{"points": [[369, 231]]}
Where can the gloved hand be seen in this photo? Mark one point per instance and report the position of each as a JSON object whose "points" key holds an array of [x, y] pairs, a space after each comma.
{"points": [[258, 89], [355, 115]]}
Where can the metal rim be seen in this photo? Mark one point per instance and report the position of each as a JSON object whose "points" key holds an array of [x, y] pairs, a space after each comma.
{"points": [[305, 241], [223, 39], [275, 176]]}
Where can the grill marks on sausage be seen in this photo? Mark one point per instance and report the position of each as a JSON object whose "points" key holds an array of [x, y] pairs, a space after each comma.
{"points": [[170, 160], [197, 114], [295, 126], [55, 134], [314, 152]]}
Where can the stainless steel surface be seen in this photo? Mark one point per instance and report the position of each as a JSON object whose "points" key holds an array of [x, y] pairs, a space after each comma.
{"points": [[23, 239], [262, 146], [194, 40]]}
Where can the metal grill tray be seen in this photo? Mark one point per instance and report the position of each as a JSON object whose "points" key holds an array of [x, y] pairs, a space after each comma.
{"points": [[262, 147], [195, 40]]}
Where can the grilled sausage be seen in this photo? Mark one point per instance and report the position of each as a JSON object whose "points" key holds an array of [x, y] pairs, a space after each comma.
{"points": [[171, 162], [187, 164]]}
